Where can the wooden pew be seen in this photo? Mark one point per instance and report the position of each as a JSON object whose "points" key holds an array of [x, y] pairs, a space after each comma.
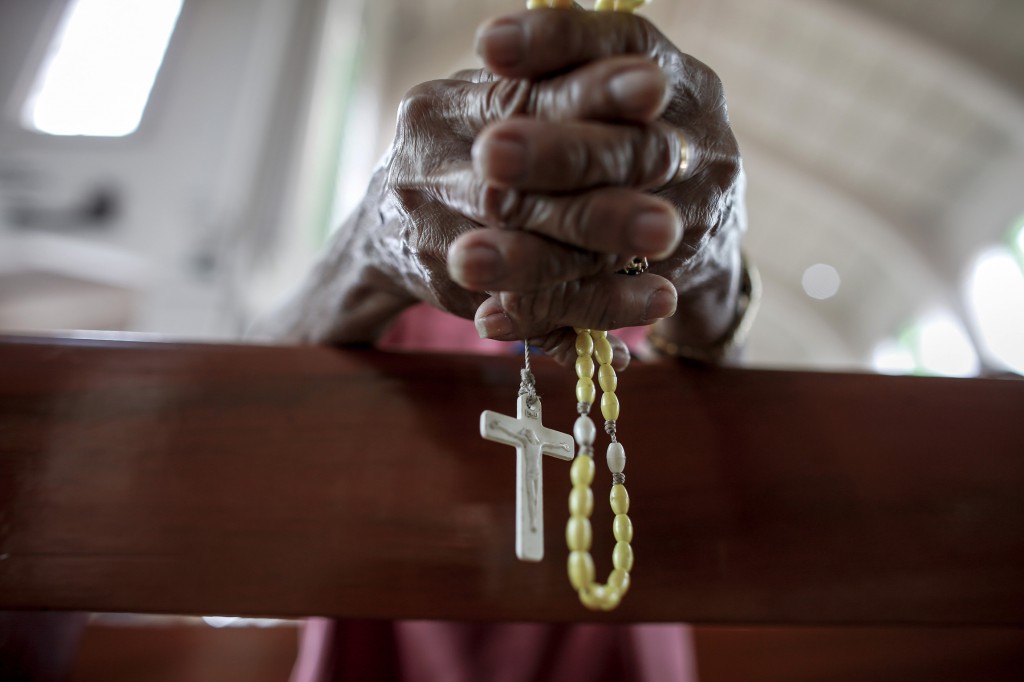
{"points": [[190, 478]]}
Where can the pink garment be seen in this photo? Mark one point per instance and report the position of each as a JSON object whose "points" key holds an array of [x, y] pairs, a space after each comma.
{"points": [[424, 328], [426, 651], [429, 651]]}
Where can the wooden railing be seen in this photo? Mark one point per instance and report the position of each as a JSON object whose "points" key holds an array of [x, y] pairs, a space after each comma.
{"points": [[149, 477]]}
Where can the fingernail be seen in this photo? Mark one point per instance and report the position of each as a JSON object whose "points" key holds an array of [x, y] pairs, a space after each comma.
{"points": [[502, 43], [661, 304], [491, 321], [638, 89], [654, 233], [502, 158], [477, 265]]}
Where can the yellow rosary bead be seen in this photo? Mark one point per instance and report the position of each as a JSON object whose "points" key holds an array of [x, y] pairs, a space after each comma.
{"points": [[581, 570], [599, 597], [578, 534], [619, 499], [581, 473], [609, 405], [612, 597], [584, 343], [622, 528], [622, 556], [581, 501], [602, 350], [599, 6], [619, 580], [606, 376], [586, 392], [593, 597], [585, 367]]}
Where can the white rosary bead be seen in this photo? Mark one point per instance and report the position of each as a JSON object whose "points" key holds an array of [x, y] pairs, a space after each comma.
{"points": [[616, 457], [584, 431]]}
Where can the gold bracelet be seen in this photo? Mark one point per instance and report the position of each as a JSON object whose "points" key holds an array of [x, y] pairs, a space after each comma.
{"points": [[735, 336]]}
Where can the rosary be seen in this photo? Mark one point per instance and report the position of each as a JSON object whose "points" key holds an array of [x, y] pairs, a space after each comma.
{"points": [[532, 440]]}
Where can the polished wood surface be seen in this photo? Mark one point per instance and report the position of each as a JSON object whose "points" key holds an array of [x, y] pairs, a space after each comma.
{"points": [[859, 654], [153, 477]]}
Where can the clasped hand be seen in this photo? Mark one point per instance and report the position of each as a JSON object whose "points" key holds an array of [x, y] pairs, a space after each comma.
{"points": [[522, 188]]}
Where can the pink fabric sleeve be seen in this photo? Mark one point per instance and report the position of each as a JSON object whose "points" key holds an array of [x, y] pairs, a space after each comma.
{"points": [[425, 328]]}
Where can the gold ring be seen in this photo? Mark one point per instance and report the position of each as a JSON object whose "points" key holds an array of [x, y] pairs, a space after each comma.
{"points": [[637, 266], [682, 170]]}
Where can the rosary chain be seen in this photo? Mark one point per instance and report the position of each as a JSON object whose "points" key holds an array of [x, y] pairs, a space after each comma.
{"points": [[593, 345], [527, 384]]}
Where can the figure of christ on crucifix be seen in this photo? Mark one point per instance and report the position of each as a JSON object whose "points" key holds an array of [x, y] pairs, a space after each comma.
{"points": [[531, 439]]}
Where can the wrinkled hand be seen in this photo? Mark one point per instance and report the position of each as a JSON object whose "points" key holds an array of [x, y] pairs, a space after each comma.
{"points": [[522, 188]]}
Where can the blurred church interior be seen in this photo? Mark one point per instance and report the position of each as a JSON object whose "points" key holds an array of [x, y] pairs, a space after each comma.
{"points": [[172, 167], [883, 141]]}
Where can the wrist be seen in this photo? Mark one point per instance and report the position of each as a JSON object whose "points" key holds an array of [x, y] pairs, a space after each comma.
{"points": [[712, 326]]}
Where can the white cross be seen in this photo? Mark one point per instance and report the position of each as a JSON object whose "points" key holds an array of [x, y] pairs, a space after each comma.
{"points": [[530, 438]]}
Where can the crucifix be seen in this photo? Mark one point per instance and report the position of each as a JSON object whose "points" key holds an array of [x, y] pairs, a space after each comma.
{"points": [[531, 439]]}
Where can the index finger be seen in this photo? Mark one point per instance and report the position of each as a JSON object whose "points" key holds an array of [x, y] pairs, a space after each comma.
{"points": [[541, 42]]}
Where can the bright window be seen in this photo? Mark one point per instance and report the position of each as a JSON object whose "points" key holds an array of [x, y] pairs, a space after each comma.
{"points": [[1017, 240], [101, 66], [995, 291], [943, 347], [935, 345]]}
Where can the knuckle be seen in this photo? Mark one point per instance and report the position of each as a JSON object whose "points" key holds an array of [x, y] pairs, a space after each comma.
{"points": [[660, 152], [727, 165], [474, 75], [717, 157], [574, 220], [553, 266], [706, 81], [632, 159], [506, 98], [400, 184], [584, 163], [698, 90], [518, 306], [501, 206], [408, 200], [566, 99], [418, 103], [642, 36]]}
